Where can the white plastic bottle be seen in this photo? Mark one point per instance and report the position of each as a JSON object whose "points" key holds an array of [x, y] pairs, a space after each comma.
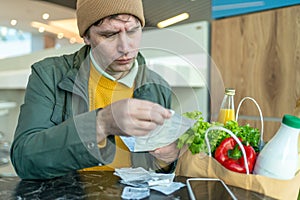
{"points": [[297, 113], [279, 157]]}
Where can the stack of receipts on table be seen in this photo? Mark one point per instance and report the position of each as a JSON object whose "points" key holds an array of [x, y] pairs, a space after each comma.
{"points": [[163, 135], [141, 181]]}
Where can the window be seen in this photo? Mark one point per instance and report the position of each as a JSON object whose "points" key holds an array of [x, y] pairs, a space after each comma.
{"points": [[14, 42]]}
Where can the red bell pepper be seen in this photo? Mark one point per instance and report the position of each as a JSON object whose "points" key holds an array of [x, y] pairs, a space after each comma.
{"points": [[228, 153]]}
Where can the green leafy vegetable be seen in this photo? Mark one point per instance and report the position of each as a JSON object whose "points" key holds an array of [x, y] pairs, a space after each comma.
{"points": [[195, 136]]}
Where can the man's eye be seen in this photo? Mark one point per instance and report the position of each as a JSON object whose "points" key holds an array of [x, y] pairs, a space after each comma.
{"points": [[110, 35], [135, 30], [132, 32]]}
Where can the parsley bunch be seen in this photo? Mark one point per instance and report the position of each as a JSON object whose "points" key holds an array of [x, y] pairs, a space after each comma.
{"points": [[195, 136]]}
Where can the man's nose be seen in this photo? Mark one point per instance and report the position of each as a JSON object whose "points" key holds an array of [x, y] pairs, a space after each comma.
{"points": [[123, 44]]}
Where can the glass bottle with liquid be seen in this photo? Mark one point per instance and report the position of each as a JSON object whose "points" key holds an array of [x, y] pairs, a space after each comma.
{"points": [[227, 111], [279, 157]]}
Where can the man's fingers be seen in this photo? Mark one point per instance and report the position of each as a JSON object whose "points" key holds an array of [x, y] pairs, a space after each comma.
{"points": [[153, 112]]}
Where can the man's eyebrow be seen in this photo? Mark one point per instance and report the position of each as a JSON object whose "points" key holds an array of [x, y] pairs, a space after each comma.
{"points": [[135, 27], [104, 32]]}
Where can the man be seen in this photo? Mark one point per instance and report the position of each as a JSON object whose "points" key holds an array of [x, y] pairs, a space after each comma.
{"points": [[76, 106]]}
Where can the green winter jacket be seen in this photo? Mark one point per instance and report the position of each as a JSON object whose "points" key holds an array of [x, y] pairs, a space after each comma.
{"points": [[56, 132]]}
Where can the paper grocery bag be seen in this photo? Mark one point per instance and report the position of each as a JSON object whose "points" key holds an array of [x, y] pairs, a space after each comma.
{"points": [[199, 165]]}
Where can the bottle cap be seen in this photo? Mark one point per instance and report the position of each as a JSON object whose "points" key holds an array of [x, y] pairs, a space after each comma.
{"points": [[291, 121], [230, 91]]}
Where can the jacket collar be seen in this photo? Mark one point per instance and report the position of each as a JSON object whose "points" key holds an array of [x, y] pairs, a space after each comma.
{"points": [[76, 79]]}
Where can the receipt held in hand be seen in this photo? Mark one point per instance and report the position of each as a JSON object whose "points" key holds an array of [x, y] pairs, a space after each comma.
{"points": [[162, 136]]}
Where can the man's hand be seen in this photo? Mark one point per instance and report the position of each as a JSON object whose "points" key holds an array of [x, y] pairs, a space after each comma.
{"points": [[130, 117], [167, 153]]}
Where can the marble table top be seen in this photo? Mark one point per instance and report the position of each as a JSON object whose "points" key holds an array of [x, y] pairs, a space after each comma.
{"points": [[89, 185], [83, 185]]}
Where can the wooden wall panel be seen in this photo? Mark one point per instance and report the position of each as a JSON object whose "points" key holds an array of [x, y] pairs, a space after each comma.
{"points": [[259, 55]]}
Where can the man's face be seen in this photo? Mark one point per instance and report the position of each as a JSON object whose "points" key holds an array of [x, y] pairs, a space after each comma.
{"points": [[115, 43]]}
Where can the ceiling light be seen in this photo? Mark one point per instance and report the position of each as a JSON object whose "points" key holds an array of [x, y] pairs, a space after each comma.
{"points": [[45, 16], [41, 29], [13, 22], [173, 20], [60, 35], [72, 40]]}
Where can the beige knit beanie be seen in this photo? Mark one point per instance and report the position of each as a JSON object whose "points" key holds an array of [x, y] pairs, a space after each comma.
{"points": [[90, 11]]}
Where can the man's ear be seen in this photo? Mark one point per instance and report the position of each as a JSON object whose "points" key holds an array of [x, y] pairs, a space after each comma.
{"points": [[86, 40]]}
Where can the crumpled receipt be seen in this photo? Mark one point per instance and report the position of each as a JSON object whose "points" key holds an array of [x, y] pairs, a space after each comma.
{"points": [[132, 193], [162, 136], [139, 178]]}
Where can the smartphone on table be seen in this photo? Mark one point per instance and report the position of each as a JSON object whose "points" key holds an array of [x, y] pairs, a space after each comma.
{"points": [[208, 188]]}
